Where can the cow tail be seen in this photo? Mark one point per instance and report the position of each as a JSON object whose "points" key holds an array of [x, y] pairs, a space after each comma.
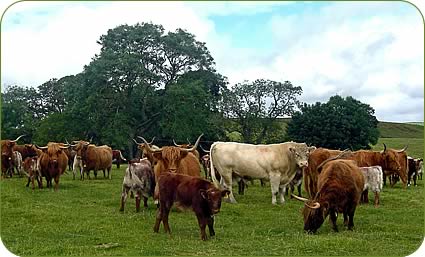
{"points": [[214, 179], [129, 171]]}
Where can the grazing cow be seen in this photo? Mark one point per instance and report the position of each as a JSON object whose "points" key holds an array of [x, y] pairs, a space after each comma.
{"points": [[117, 158], [53, 162], [190, 192], [415, 166], [27, 150], [32, 169], [340, 184], [6, 155], [17, 162], [139, 179], [94, 158], [373, 180], [175, 160], [275, 162], [388, 159], [77, 164]]}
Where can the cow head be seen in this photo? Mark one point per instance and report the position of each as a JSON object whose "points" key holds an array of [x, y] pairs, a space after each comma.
{"points": [[80, 148], [395, 161], [170, 156], [213, 197], [301, 153], [143, 148], [53, 153], [314, 214]]}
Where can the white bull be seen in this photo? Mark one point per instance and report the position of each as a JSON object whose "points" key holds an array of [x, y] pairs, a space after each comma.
{"points": [[274, 162]]}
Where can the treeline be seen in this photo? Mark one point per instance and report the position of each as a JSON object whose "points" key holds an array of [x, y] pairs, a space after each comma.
{"points": [[146, 82], [151, 83]]}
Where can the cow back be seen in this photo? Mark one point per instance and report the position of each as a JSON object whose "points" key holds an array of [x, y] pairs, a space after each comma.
{"points": [[97, 157]]}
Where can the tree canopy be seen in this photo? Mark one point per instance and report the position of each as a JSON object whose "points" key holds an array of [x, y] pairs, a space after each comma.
{"points": [[340, 123]]}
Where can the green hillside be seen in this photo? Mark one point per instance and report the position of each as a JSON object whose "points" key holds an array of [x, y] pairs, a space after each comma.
{"points": [[400, 130]]}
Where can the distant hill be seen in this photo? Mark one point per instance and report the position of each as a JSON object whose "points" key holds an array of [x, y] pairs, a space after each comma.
{"points": [[400, 130], [390, 129]]}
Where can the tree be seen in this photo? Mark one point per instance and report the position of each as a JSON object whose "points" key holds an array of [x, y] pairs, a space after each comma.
{"points": [[256, 106], [340, 123]]}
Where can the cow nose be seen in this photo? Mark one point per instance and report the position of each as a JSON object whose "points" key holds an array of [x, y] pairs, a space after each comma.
{"points": [[304, 164], [173, 170]]}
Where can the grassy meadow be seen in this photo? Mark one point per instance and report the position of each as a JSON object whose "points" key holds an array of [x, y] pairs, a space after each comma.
{"points": [[83, 218]]}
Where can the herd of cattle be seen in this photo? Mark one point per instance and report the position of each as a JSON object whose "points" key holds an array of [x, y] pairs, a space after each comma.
{"points": [[335, 181]]}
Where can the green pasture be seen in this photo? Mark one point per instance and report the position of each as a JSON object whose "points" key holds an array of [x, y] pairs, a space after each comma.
{"points": [[82, 218]]}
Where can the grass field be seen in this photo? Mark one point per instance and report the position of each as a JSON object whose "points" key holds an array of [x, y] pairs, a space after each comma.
{"points": [[82, 218]]}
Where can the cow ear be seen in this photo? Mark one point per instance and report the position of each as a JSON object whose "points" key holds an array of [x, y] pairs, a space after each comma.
{"points": [[311, 148], [225, 193], [203, 193], [157, 155], [183, 154]]}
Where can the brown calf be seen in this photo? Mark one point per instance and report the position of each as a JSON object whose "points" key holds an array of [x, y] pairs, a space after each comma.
{"points": [[189, 192]]}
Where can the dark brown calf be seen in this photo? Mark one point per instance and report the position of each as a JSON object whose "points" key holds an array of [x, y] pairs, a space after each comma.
{"points": [[189, 192]]}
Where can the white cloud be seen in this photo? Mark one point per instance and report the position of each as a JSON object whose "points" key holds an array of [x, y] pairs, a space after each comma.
{"points": [[358, 49]]}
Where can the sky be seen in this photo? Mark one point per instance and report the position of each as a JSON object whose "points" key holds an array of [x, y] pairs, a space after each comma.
{"points": [[373, 51]]}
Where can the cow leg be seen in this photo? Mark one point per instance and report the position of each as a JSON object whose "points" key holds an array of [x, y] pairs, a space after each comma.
{"points": [[241, 187], [384, 177], [376, 199], [365, 196], [28, 183], [351, 218], [104, 176], [57, 182], [202, 221], [274, 183], [95, 174], [332, 220], [227, 182], [282, 190], [124, 195], [137, 201], [145, 202], [211, 225], [299, 190], [414, 180], [109, 173]]}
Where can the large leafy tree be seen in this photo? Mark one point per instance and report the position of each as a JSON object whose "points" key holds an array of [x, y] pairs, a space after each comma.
{"points": [[338, 124], [255, 106], [123, 89]]}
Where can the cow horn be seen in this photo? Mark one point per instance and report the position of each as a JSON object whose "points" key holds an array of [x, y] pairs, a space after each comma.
{"points": [[152, 140], [302, 199], [63, 147], [402, 150], [187, 139], [204, 149], [194, 147], [176, 144], [315, 206], [148, 147], [41, 147], [17, 138], [137, 143], [385, 148]]}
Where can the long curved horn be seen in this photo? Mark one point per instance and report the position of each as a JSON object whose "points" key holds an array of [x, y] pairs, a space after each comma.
{"points": [[148, 146], [402, 150], [176, 143], [194, 147], [341, 155], [315, 206], [41, 147], [302, 199], [204, 149], [385, 148], [187, 139], [17, 138], [152, 140], [137, 143], [63, 147]]}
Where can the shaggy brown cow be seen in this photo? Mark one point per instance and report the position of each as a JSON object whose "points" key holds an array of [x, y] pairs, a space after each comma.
{"points": [[189, 192], [7, 155], [188, 146], [402, 173], [387, 159], [32, 170], [27, 150], [340, 185], [175, 160], [117, 158], [53, 162], [94, 158], [138, 178]]}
